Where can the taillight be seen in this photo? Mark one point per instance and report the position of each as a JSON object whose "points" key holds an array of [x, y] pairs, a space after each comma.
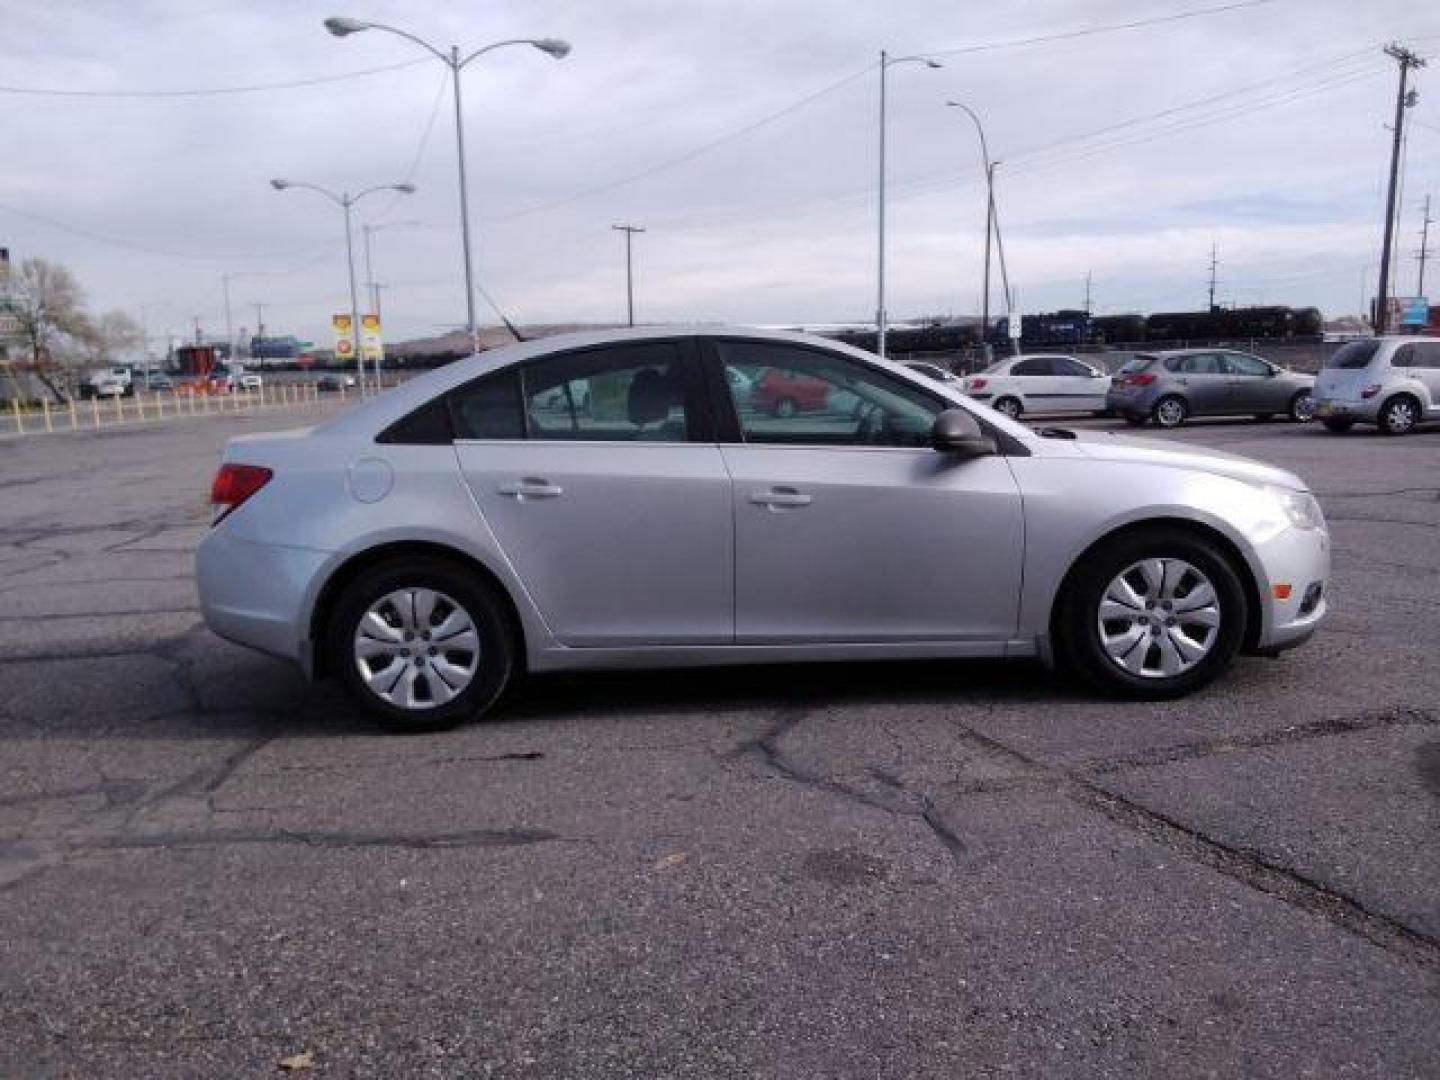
{"points": [[1370, 391], [233, 485], [977, 384], [1142, 379]]}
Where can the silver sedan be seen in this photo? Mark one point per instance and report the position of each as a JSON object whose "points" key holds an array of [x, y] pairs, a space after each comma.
{"points": [[608, 500]]}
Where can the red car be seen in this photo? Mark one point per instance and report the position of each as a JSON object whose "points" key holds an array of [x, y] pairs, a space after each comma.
{"points": [[785, 393]]}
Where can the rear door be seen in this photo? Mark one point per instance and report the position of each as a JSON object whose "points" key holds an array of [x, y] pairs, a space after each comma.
{"points": [[849, 527], [1203, 380], [598, 473]]}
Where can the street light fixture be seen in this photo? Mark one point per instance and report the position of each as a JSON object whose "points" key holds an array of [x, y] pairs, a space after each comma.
{"points": [[342, 26], [886, 63], [345, 201], [989, 213]]}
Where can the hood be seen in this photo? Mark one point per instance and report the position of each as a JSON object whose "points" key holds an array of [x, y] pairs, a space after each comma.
{"points": [[1106, 447]]}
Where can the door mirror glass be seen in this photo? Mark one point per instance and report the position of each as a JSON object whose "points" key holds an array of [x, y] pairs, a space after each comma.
{"points": [[955, 431]]}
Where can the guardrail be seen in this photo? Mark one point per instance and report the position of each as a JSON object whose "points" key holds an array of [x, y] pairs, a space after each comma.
{"points": [[94, 414]]}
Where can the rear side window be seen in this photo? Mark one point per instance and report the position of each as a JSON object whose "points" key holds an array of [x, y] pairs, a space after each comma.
{"points": [[1353, 356], [489, 408], [1036, 365]]}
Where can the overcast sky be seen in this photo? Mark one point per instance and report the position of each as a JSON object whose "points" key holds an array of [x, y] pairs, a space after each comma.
{"points": [[1259, 129]]}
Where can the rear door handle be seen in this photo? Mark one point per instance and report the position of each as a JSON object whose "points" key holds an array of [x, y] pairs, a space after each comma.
{"points": [[781, 498], [532, 487]]}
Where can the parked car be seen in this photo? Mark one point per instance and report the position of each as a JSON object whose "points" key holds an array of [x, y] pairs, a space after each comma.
{"points": [[936, 372], [156, 380], [109, 382], [250, 382], [1393, 383], [1042, 384], [1169, 387], [786, 393], [334, 383], [427, 546]]}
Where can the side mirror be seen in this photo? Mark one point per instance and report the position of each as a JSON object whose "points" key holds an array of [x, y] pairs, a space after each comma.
{"points": [[955, 431]]}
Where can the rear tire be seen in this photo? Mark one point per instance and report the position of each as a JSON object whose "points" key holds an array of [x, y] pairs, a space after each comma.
{"points": [[1338, 426], [371, 636], [1399, 415], [1170, 411], [1156, 651], [1010, 407], [1302, 407]]}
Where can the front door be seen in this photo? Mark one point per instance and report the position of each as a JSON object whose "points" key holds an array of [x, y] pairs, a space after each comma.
{"points": [[849, 528], [617, 523]]}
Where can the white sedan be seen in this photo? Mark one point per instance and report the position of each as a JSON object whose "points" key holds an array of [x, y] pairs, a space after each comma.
{"points": [[1040, 384]]}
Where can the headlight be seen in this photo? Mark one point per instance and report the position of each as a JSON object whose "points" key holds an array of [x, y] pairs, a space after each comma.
{"points": [[1300, 507]]}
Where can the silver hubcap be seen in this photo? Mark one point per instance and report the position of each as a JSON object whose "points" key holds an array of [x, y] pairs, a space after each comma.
{"points": [[1305, 408], [1402, 415], [417, 648], [1159, 618], [1170, 412]]}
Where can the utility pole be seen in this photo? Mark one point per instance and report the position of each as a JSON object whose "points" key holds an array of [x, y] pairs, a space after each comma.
{"points": [[1087, 292], [260, 324], [1424, 252], [629, 231], [1214, 262], [1407, 60], [196, 319]]}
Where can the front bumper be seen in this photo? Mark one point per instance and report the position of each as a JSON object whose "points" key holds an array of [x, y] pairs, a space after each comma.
{"points": [[1294, 568], [256, 594]]}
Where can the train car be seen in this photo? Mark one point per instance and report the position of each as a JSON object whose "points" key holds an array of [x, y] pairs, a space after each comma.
{"points": [[1117, 329]]}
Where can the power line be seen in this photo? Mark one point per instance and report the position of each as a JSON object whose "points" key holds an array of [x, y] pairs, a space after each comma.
{"points": [[211, 91], [1110, 28]]}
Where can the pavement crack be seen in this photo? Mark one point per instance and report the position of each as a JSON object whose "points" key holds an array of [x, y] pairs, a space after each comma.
{"points": [[325, 838]]}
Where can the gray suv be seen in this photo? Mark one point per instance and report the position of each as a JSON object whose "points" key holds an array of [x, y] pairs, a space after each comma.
{"points": [[1393, 383], [1168, 387]]}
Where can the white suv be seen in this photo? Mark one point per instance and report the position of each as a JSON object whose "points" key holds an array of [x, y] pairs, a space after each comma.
{"points": [[1392, 382]]}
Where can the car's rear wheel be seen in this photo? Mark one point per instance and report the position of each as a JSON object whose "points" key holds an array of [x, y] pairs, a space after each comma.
{"points": [[786, 407], [420, 645], [1170, 411], [1010, 406], [1339, 426], [1302, 407], [1152, 614], [1399, 415]]}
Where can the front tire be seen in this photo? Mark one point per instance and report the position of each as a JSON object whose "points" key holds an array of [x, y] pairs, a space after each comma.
{"points": [[1399, 415], [1170, 411], [1153, 614], [420, 644]]}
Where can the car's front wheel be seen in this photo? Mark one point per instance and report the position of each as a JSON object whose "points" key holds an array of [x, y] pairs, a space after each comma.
{"points": [[1153, 614], [420, 644]]}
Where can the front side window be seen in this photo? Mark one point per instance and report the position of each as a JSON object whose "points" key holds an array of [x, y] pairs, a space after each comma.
{"points": [[1065, 366], [786, 394], [1240, 364], [1427, 355]]}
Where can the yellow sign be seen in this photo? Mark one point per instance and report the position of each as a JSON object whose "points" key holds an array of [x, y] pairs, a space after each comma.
{"points": [[344, 337], [371, 345]]}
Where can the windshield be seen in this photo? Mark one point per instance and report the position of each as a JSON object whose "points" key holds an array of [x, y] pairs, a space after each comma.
{"points": [[1353, 355]]}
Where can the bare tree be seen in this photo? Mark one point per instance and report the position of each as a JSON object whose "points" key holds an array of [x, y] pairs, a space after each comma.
{"points": [[49, 306], [113, 335]]}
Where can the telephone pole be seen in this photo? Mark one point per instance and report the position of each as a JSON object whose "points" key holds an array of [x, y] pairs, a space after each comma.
{"points": [[1407, 60], [1214, 262], [1424, 252], [629, 231], [1087, 292]]}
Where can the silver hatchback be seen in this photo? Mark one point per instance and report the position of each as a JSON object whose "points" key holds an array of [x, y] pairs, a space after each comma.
{"points": [[1169, 387], [1393, 383], [610, 501]]}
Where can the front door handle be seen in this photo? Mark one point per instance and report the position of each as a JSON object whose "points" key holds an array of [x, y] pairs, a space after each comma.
{"points": [[532, 487], [781, 498]]}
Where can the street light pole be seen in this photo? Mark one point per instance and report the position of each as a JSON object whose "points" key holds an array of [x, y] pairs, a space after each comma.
{"points": [[989, 213], [629, 231], [342, 26], [345, 201], [886, 62]]}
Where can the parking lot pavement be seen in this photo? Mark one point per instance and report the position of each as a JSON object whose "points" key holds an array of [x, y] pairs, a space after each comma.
{"points": [[207, 866]]}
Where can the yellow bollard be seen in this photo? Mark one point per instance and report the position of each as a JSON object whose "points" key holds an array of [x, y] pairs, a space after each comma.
{"points": [[19, 418], [74, 413], [140, 408], [45, 408], [119, 410], [95, 408]]}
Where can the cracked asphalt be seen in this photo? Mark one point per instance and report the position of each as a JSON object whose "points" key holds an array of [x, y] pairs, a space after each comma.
{"points": [[893, 870]]}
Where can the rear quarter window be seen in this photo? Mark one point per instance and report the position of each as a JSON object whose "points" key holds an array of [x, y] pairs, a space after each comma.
{"points": [[1136, 363], [1353, 356]]}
